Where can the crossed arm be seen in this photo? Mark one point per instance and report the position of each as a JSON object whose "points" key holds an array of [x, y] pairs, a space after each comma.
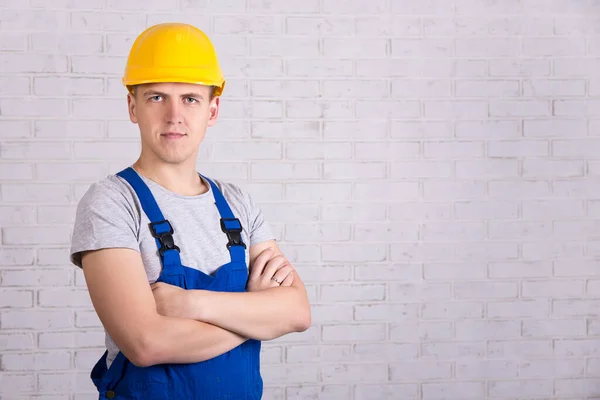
{"points": [[165, 324]]}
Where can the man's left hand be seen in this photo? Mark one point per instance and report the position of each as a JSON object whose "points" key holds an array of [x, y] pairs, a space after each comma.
{"points": [[171, 300]]}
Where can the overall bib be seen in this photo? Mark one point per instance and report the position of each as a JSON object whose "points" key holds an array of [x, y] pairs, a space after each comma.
{"points": [[234, 375]]}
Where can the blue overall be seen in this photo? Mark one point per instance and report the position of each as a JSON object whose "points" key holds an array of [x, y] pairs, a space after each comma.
{"points": [[234, 375]]}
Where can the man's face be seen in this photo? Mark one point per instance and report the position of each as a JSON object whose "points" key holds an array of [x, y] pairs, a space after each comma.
{"points": [[173, 118]]}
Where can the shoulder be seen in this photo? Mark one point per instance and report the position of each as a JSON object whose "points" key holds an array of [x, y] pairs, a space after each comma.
{"points": [[107, 195], [234, 193]]}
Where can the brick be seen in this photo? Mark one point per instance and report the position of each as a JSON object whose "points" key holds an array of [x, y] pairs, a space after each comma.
{"points": [[516, 25], [357, 170], [490, 329], [16, 172], [558, 209], [575, 148], [87, 319], [68, 129], [453, 150], [71, 340], [14, 129], [17, 382], [453, 190], [387, 272], [16, 341], [513, 67], [593, 287], [427, 7], [389, 352], [318, 150], [41, 277], [503, 189], [36, 362], [35, 151], [51, 382], [490, 129], [63, 298], [575, 268], [318, 392], [240, 24], [355, 89], [315, 68], [551, 328], [37, 235], [312, 353], [401, 191], [544, 250], [529, 388], [353, 332], [291, 212], [485, 290], [433, 252], [554, 88], [576, 387], [521, 148], [293, 6], [52, 256], [98, 64], [459, 26], [577, 347], [574, 26], [37, 20], [119, 44], [449, 271], [355, 129], [486, 210], [300, 47], [407, 391], [99, 108], [33, 63], [352, 292], [453, 390], [520, 229], [421, 370], [56, 214], [39, 193], [520, 269], [554, 47], [459, 109], [520, 349], [287, 171], [71, 171], [487, 251], [486, 369], [29, 107], [487, 47], [421, 331], [574, 108], [14, 298], [36, 319], [386, 25], [386, 150], [288, 88], [322, 232], [453, 350], [352, 212], [67, 43], [353, 372], [520, 108], [421, 169], [575, 308], [382, 312], [520, 308], [16, 256], [406, 292], [418, 129], [17, 215], [452, 310], [420, 211], [385, 232], [487, 88], [387, 109], [317, 192], [326, 313], [421, 88], [14, 86], [463, 230], [354, 253], [487, 169], [106, 150], [69, 4], [336, 109]]}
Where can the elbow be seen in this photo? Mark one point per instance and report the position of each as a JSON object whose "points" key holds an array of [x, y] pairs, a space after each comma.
{"points": [[143, 351], [302, 320]]}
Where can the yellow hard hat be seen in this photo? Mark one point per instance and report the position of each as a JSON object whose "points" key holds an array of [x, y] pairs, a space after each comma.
{"points": [[173, 52]]}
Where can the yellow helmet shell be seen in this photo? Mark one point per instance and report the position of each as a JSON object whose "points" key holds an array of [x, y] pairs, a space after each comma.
{"points": [[173, 52]]}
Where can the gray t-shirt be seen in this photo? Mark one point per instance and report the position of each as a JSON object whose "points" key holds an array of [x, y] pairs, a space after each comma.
{"points": [[110, 215]]}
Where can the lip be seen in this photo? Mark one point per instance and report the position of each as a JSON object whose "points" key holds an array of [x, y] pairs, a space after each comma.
{"points": [[173, 135]]}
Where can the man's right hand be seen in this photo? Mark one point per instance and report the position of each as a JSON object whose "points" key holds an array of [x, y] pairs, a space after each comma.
{"points": [[269, 271]]}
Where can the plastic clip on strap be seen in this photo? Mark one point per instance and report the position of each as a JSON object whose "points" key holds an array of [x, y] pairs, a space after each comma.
{"points": [[163, 231], [233, 228]]}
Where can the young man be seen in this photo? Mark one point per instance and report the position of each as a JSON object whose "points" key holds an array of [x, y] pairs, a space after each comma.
{"points": [[182, 270]]}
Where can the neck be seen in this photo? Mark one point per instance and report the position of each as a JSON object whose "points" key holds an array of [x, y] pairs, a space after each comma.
{"points": [[182, 179]]}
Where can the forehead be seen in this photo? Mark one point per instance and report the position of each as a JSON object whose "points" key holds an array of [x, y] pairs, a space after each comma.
{"points": [[174, 88]]}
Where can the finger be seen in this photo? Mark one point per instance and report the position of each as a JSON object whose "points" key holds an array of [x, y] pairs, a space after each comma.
{"points": [[288, 280], [274, 264], [282, 273], [259, 264]]}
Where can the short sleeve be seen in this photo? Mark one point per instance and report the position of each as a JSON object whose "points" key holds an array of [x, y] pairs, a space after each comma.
{"points": [[104, 219], [260, 229]]}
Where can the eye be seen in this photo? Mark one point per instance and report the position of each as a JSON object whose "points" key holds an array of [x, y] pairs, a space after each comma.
{"points": [[156, 97], [190, 100]]}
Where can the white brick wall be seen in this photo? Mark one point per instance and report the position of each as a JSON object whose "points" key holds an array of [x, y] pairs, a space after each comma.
{"points": [[431, 167]]}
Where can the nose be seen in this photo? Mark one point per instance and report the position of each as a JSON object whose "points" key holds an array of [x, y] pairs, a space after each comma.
{"points": [[173, 114]]}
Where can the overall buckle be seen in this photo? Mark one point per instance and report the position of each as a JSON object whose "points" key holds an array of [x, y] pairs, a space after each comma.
{"points": [[233, 228], [165, 238]]}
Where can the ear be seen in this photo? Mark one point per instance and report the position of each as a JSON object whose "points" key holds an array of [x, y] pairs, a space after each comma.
{"points": [[213, 110], [132, 107]]}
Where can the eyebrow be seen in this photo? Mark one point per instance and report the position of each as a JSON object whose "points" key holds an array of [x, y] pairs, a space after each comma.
{"points": [[152, 92]]}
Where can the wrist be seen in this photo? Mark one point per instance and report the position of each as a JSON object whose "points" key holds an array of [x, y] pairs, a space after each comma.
{"points": [[196, 305]]}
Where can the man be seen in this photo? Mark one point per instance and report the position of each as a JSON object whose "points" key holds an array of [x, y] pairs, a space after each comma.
{"points": [[182, 270]]}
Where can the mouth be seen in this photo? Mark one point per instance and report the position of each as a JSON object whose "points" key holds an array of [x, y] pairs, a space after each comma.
{"points": [[173, 135]]}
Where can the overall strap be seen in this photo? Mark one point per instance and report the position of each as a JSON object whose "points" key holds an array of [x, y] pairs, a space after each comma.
{"points": [[230, 225], [160, 228]]}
